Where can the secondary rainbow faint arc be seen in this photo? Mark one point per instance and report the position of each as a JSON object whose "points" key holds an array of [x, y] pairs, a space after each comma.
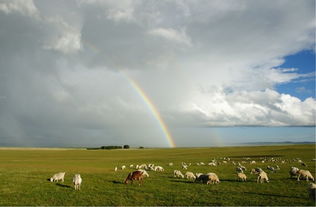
{"points": [[146, 99], [153, 109]]}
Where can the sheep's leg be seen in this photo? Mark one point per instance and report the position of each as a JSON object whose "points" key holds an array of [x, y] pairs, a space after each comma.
{"points": [[298, 177]]}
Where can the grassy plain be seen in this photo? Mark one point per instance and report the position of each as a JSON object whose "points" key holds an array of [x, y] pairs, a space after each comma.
{"points": [[24, 174]]}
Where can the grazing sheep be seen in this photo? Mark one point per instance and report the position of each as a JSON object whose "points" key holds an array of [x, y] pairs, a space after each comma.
{"points": [[311, 190], [209, 178], [170, 164], [158, 168], [123, 167], [142, 166], [239, 169], [262, 177], [242, 176], [185, 166], [272, 169], [115, 169], [136, 175], [145, 174], [212, 164], [131, 166], [305, 174], [202, 177], [241, 166], [198, 175], [293, 171], [257, 170], [190, 176], [77, 180], [57, 177], [213, 178], [253, 162], [177, 173]]}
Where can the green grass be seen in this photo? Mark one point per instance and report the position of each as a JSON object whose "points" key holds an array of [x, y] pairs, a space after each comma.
{"points": [[24, 174]]}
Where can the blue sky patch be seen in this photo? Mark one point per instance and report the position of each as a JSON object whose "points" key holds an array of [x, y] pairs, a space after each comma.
{"points": [[304, 87]]}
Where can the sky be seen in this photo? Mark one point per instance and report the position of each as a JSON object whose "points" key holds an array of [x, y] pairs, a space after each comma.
{"points": [[156, 73]]}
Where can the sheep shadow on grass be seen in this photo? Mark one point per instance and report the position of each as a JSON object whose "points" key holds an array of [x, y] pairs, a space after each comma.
{"points": [[274, 195], [63, 185], [182, 181], [116, 182], [234, 180]]}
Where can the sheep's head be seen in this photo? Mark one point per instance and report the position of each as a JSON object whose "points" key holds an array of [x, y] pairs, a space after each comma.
{"points": [[126, 181], [51, 179]]}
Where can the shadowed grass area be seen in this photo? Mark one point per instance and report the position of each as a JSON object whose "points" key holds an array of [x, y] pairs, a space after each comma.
{"points": [[24, 177]]}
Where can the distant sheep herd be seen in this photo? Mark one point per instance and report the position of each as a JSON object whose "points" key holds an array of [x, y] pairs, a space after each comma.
{"points": [[140, 173]]}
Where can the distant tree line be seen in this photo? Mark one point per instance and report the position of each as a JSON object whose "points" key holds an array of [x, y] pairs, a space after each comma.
{"points": [[110, 147]]}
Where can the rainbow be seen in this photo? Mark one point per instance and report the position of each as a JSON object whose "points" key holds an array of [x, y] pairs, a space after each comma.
{"points": [[145, 98], [153, 110]]}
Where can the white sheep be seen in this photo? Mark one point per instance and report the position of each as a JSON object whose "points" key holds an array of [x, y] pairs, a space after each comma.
{"points": [[115, 169], [142, 166], [170, 164], [212, 164], [123, 167], [77, 180], [159, 168], [57, 177], [212, 178], [190, 176], [184, 165], [305, 174], [145, 174], [262, 177], [242, 176], [293, 171], [177, 173]]}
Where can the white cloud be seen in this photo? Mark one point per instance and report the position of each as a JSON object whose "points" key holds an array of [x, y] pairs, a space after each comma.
{"points": [[25, 7], [172, 35], [267, 108]]}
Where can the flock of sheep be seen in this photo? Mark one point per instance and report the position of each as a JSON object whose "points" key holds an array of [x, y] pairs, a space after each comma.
{"points": [[213, 178], [209, 178]]}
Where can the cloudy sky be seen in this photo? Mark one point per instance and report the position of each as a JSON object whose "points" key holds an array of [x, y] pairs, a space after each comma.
{"points": [[68, 71]]}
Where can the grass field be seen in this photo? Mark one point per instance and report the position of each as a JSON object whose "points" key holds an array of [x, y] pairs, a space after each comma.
{"points": [[24, 174]]}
